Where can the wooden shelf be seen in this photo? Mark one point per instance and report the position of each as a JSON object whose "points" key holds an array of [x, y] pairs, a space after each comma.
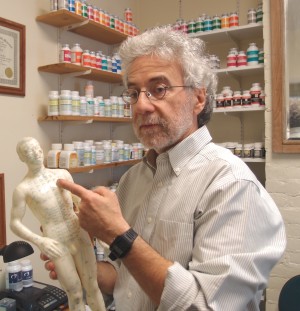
{"points": [[82, 72], [82, 26], [90, 169], [86, 119], [245, 32]]}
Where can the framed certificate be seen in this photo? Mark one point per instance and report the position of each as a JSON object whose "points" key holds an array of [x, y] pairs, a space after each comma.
{"points": [[12, 58]]}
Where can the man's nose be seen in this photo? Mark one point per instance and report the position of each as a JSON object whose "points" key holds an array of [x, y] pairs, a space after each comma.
{"points": [[144, 103]]}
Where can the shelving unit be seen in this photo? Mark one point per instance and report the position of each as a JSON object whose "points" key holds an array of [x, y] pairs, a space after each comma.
{"points": [[67, 21], [218, 41], [72, 22]]}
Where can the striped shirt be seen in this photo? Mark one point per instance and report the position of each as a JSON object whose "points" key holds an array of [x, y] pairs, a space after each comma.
{"points": [[201, 207]]}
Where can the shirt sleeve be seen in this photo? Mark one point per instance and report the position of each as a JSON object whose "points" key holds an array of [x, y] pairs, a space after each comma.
{"points": [[238, 238]]}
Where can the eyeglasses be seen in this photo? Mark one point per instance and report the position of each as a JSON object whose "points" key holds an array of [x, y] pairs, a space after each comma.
{"points": [[157, 92]]}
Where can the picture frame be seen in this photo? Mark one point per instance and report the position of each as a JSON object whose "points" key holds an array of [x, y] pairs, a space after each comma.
{"points": [[285, 91], [2, 212], [12, 57]]}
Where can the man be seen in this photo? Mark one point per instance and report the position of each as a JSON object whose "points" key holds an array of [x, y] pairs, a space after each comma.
{"points": [[191, 226], [68, 246]]}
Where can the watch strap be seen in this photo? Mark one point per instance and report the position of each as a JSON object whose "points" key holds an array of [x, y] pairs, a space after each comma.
{"points": [[122, 244]]}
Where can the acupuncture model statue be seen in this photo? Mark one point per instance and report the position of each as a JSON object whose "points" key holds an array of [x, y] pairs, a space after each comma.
{"points": [[63, 240]]}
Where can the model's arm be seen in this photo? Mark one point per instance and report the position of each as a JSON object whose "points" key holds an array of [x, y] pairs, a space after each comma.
{"points": [[46, 245]]}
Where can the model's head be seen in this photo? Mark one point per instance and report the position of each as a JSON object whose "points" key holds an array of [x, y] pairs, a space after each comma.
{"points": [[174, 46], [30, 151]]}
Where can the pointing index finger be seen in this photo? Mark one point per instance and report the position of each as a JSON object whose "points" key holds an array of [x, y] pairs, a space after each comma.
{"points": [[72, 187]]}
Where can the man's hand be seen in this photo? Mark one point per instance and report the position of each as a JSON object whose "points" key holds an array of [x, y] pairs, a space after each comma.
{"points": [[99, 211]]}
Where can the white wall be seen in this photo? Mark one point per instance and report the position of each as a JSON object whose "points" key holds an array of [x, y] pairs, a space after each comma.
{"points": [[18, 115]]}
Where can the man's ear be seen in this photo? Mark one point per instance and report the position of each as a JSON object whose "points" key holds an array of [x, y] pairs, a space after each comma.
{"points": [[201, 99]]}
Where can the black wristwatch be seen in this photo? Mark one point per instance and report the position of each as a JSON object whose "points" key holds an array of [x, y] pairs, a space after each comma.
{"points": [[122, 244]]}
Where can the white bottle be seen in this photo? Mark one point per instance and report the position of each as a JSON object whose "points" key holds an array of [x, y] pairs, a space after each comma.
{"points": [[65, 54], [65, 103], [53, 103], [99, 152], [75, 103], [76, 54], [89, 89], [14, 276], [53, 156], [27, 273], [107, 152], [78, 147], [68, 157], [87, 154], [252, 54]]}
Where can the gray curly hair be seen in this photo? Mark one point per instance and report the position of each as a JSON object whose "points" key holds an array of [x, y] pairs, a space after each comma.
{"points": [[188, 52]]}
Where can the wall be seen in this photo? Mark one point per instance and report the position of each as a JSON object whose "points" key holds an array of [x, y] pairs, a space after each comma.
{"points": [[18, 116]]}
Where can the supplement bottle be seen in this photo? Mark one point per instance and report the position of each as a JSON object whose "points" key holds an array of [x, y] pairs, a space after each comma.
{"points": [[65, 54], [233, 19], [224, 21], [99, 152], [78, 147], [53, 156], [84, 8], [101, 106], [220, 101], [68, 157], [251, 16], [252, 54], [89, 89], [65, 103], [76, 54], [75, 103], [63, 4], [78, 7], [246, 98], [14, 276], [86, 58], [107, 152], [87, 161], [93, 59], [237, 99], [231, 59], [255, 93], [90, 105], [128, 15], [27, 273], [83, 107], [242, 59], [53, 103], [259, 14]]}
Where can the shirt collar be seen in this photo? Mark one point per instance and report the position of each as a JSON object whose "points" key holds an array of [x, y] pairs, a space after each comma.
{"points": [[183, 152]]}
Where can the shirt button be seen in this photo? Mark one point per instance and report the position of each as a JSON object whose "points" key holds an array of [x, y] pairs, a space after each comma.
{"points": [[129, 295], [149, 220], [160, 184], [177, 169]]}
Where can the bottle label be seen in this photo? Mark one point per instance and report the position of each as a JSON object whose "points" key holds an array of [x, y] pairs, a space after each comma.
{"points": [[27, 278]]}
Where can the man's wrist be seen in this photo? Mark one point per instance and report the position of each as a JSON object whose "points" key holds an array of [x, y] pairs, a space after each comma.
{"points": [[122, 244]]}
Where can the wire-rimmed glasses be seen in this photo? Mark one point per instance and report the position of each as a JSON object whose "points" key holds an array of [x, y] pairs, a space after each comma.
{"points": [[131, 96]]}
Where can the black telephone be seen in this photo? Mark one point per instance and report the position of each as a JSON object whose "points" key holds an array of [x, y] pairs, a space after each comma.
{"points": [[39, 297]]}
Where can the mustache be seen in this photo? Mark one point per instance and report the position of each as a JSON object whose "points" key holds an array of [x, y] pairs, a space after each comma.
{"points": [[141, 120]]}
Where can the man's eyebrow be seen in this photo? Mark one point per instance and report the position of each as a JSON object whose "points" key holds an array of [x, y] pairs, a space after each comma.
{"points": [[152, 80]]}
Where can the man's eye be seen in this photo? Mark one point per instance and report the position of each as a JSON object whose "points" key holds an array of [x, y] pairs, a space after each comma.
{"points": [[159, 90]]}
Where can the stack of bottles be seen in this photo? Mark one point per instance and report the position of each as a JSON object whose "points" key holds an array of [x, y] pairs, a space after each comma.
{"points": [[253, 56], [19, 274], [70, 103], [255, 97], [249, 150], [81, 7], [88, 153], [96, 60], [206, 23]]}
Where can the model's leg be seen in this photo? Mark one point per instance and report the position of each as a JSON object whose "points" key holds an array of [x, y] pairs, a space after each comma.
{"points": [[87, 269], [70, 281]]}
